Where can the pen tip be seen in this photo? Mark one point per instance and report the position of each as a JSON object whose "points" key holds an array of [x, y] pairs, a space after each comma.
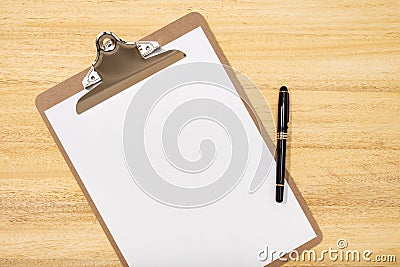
{"points": [[283, 89], [279, 194]]}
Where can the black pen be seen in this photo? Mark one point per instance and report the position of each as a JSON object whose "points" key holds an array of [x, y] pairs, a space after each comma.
{"points": [[283, 119]]}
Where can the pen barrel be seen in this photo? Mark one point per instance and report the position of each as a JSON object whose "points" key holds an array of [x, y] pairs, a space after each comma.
{"points": [[280, 168]]}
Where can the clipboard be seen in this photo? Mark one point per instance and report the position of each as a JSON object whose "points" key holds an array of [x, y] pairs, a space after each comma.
{"points": [[165, 35]]}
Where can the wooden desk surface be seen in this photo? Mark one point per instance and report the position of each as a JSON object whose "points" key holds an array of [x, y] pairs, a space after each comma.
{"points": [[341, 60]]}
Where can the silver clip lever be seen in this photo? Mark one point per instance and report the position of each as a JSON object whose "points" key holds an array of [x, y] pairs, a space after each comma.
{"points": [[107, 42]]}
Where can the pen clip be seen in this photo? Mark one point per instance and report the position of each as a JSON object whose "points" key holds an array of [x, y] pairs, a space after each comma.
{"points": [[288, 108]]}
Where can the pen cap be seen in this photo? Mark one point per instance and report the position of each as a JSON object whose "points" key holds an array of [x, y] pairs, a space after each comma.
{"points": [[283, 109]]}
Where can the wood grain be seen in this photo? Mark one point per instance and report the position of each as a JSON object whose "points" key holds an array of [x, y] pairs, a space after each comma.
{"points": [[340, 59]]}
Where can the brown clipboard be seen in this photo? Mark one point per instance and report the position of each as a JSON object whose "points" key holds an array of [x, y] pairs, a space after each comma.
{"points": [[172, 31]]}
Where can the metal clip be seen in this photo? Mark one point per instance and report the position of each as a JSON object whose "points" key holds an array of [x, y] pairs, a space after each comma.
{"points": [[146, 48], [92, 78], [107, 42]]}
